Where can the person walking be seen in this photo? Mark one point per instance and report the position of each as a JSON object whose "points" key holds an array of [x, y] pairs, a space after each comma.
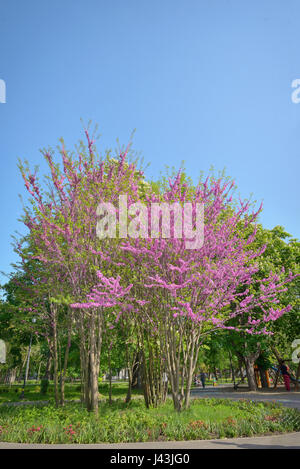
{"points": [[203, 378], [286, 375]]}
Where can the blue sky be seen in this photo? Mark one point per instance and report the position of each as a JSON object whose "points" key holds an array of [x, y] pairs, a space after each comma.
{"points": [[207, 82]]}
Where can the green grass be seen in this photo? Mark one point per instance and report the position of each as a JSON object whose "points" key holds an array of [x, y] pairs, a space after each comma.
{"points": [[72, 392], [120, 422]]}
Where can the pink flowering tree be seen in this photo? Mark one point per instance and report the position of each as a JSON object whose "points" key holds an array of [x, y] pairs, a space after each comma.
{"points": [[189, 293], [179, 295], [61, 220], [174, 290]]}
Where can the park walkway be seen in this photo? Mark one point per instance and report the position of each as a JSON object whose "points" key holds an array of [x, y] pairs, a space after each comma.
{"points": [[288, 399]]}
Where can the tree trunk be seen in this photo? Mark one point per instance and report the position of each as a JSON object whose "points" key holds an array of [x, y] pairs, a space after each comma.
{"points": [[137, 372], [12, 376], [129, 389], [64, 370], [232, 369], [46, 377], [240, 361], [249, 362], [263, 378], [55, 356], [110, 377], [130, 366], [48, 366], [93, 366], [39, 371]]}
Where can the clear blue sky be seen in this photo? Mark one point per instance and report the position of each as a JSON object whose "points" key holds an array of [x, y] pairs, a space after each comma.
{"points": [[208, 82]]}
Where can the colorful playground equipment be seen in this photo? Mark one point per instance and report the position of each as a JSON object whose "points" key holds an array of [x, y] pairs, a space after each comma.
{"points": [[276, 371], [277, 377], [272, 376]]}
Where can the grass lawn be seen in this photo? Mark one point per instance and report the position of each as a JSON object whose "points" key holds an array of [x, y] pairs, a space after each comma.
{"points": [[72, 392], [120, 422]]}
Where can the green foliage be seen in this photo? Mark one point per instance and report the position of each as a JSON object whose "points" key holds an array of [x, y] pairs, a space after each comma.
{"points": [[265, 361], [72, 392], [120, 422], [281, 255], [44, 386]]}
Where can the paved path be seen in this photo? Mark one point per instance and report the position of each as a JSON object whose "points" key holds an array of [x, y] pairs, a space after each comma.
{"points": [[286, 441], [288, 399]]}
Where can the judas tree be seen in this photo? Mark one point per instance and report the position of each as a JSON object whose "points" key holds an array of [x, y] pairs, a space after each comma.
{"points": [[185, 272], [62, 226], [181, 292]]}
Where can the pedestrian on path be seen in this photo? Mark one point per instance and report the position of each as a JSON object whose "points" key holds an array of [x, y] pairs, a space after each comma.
{"points": [[203, 378], [286, 375]]}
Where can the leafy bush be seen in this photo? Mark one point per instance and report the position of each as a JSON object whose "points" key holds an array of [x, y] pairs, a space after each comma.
{"points": [[44, 386]]}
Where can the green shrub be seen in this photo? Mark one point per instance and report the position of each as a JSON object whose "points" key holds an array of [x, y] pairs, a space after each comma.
{"points": [[44, 386], [121, 422], [4, 390]]}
